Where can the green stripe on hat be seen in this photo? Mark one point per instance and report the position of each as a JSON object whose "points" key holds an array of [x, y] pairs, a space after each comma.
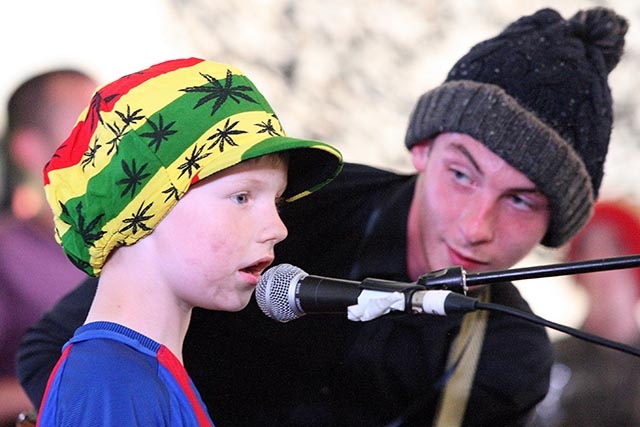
{"points": [[143, 155]]}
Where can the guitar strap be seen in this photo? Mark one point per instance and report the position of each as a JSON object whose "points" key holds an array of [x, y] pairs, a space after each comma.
{"points": [[462, 362]]}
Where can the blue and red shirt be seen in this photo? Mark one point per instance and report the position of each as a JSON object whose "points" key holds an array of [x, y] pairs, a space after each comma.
{"points": [[112, 376]]}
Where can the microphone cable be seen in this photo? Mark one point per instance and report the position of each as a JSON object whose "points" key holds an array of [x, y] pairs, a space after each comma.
{"points": [[595, 339], [458, 281]]}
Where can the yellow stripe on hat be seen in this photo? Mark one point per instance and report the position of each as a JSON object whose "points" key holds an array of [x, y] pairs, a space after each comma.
{"points": [[148, 136], [165, 89], [156, 198]]}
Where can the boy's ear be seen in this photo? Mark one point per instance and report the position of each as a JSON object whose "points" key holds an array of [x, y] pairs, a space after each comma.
{"points": [[419, 154]]}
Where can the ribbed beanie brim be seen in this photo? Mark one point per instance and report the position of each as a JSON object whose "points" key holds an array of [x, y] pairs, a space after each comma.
{"points": [[487, 113]]}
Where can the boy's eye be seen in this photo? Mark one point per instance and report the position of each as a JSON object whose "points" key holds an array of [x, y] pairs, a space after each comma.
{"points": [[240, 198]]}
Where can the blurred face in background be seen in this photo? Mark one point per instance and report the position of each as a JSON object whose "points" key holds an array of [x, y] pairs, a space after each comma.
{"points": [[63, 99]]}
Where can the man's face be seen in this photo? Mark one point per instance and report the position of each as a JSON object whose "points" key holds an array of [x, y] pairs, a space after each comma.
{"points": [[470, 208]]}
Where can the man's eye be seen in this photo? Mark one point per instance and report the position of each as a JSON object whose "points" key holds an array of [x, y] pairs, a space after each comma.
{"points": [[520, 201], [460, 176], [529, 203]]}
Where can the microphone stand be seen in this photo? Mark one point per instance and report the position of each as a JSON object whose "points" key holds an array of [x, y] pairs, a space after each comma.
{"points": [[456, 279]]}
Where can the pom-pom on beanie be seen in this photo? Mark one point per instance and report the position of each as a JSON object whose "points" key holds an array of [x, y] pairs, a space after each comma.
{"points": [[537, 95]]}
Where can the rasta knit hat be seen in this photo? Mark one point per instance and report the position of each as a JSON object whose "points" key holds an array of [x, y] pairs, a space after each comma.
{"points": [[146, 138], [537, 95]]}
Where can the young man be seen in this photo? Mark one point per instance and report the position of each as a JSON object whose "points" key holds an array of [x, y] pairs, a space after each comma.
{"points": [[509, 153], [168, 189]]}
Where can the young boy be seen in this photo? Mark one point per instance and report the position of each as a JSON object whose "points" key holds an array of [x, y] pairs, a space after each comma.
{"points": [[186, 130]]}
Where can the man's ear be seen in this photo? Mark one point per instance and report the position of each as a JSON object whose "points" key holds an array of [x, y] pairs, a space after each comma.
{"points": [[420, 154], [29, 150]]}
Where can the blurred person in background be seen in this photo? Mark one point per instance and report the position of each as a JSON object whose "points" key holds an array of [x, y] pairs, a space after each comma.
{"points": [[592, 385], [40, 113]]}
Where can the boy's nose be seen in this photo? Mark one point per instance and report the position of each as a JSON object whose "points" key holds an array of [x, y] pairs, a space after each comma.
{"points": [[274, 229]]}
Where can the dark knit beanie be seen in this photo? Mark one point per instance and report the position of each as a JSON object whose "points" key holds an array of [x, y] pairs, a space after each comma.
{"points": [[537, 95]]}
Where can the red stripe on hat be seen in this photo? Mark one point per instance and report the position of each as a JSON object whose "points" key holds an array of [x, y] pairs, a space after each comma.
{"points": [[74, 147], [70, 152], [123, 85]]}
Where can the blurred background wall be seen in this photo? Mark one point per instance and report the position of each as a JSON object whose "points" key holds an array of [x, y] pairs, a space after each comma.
{"points": [[348, 72]]}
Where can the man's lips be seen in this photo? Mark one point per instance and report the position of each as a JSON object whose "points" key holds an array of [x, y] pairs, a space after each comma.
{"points": [[462, 260]]}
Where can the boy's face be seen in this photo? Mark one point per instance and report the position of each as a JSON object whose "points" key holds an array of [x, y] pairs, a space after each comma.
{"points": [[471, 208], [215, 243]]}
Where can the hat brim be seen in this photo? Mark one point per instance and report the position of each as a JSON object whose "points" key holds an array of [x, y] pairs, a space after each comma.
{"points": [[312, 164]]}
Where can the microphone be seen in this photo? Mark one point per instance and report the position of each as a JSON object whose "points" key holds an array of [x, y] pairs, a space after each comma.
{"points": [[286, 292]]}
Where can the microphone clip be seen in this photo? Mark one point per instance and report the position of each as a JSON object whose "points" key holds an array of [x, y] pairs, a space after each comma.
{"points": [[407, 289], [449, 279]]}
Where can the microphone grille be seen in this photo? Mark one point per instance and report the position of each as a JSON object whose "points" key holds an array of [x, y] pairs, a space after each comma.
{"points": [[272, 292]]}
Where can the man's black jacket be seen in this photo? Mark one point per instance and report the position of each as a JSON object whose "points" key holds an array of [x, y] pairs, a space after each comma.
{"points": [[324, 370]]}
